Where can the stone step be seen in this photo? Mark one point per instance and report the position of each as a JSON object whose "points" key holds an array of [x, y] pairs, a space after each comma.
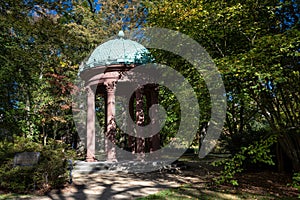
{"points": [[82, 167]]}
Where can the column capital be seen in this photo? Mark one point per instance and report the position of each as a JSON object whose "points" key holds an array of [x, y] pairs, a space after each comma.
{"points": [[110, 86], [90, 91], [141, 87]]}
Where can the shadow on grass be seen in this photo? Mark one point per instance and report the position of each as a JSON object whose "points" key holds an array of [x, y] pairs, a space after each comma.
{"points": [[188, 193]]}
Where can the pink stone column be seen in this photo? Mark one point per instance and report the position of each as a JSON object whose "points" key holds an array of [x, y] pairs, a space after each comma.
{"points": [[90, 157], [131, 139], [140, 142], [110, 122], [155, 139]]}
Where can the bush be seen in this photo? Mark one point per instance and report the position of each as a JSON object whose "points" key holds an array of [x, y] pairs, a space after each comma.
{"points": [[296, 182], [50, 172], [258, 152]]}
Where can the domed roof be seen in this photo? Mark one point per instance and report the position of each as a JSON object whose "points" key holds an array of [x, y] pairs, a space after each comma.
{"points": [[118, 51]]}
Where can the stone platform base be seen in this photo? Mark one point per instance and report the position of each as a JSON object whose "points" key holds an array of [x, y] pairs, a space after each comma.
{"points": [[83, 167]]}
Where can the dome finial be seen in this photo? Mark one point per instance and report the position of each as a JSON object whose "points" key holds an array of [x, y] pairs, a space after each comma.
{"points": [[121, 34]]}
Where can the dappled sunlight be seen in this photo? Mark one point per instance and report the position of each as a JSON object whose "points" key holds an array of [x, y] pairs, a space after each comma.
{"points": [[113, 186]]}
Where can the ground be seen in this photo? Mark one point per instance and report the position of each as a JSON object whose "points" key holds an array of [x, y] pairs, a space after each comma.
{"points": [[193, 181], [197, 183]]}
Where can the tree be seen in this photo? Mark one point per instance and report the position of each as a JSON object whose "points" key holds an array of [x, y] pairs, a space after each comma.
{"points": [[42, 45], [258, 60], [37, 67]]}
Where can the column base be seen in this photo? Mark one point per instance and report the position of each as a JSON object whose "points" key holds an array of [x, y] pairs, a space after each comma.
{"points": [[111, 160], [90, 159]]}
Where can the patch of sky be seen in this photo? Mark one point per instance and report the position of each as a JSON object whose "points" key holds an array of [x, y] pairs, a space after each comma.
{"points": [[229, 96], [65, 7], [98, 7], [31, 40], [289, 13]]}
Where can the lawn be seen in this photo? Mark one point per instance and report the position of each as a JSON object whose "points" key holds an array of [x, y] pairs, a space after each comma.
{"points": [[190, 193]]}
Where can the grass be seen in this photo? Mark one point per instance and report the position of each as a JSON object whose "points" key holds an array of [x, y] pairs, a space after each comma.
{"points": [[187, 192]]}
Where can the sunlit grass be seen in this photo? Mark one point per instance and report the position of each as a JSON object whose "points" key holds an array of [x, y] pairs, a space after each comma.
{"points": [[188, 193]]}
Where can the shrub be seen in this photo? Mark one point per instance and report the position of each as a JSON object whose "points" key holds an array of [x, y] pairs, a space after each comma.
{"points": [[258, 152], [296, 182], [50, 172]]}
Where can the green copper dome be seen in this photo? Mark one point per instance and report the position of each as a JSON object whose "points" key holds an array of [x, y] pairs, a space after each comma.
{"points": [[118, 51]]}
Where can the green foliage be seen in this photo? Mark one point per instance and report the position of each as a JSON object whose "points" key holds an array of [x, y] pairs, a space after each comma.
{"points": [[40, 54], [296, 182], [258, 152], [50, 172], [168, 100], [257, 56]]}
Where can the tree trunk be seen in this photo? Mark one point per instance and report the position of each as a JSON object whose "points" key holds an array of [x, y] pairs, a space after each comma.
{"points": [[44, 136], [290, 144]]}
